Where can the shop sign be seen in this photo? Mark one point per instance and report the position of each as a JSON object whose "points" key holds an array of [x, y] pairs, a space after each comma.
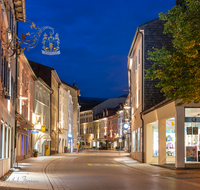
{"points": [[189, 130], [43, 127], [192, 119], [34, 131]]}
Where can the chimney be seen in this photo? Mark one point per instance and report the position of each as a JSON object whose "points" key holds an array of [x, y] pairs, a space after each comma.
{"points": [[179, 2], [74, 85]]}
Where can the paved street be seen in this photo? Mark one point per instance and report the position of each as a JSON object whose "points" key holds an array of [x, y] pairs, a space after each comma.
{"points": [[97, 170]]}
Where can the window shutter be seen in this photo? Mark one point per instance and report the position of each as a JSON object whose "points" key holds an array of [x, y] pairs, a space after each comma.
{"points": [[2, 70], [5, 74], [8, 89], [0, 59]]}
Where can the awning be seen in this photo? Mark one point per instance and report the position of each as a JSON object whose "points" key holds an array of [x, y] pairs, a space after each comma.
{"points": [[42, 135], [22, 122]]}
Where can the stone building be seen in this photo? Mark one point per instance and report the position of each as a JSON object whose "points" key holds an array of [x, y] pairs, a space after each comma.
{"points": [[51, 78], [24, 107], [41, 117], [7, 84]]}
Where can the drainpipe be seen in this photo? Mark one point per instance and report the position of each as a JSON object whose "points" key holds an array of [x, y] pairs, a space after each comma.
{"points": [[52, 91], [142, 64]]}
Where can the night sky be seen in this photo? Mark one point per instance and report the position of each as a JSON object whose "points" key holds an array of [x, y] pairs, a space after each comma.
{"points": [[95, 37]]}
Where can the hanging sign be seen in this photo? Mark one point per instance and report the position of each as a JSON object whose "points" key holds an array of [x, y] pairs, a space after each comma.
{"points": [[43, 127], [51, 44]]}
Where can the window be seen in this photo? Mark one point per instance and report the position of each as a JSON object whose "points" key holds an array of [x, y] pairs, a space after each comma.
{"points": [[139, 56], [5, 142], [25, 79], [22, 75], [36, 95], [22, 144], [139, 139], [39, 96], [138, 97], [1, 140], [8, 143], [136, 63], [133, 139], [18, 69], [26, 146]]}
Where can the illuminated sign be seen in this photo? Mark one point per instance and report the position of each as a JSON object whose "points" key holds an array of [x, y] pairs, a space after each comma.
{"points": [[126, 125], [34, 131], [43, 127], [69, 135]]}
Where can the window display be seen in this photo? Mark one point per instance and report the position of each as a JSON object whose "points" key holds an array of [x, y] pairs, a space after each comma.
{"points": [[170, 137], [192, 134], [133, 140], [155, 142]]}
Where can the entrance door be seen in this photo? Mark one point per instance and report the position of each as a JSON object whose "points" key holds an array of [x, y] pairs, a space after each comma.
{"points": [[46, 150]]}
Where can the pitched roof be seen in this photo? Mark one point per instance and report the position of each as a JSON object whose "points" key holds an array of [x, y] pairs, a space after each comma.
{"points": [[42, 71]]}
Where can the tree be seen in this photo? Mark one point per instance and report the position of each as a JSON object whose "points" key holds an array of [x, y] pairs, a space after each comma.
{"points": [[178, 69]]}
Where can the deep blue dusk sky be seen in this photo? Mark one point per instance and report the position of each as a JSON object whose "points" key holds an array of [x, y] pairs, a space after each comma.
{"points": [[95, 37]]}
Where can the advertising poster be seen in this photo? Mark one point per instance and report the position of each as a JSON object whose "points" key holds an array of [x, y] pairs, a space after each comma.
{"points": [[191, 153], [195, 130], [189, 130]]}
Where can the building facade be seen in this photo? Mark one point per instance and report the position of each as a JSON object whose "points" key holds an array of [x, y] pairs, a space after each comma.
{"points": [[75, 93], [51, 78], [96, 133], [24, 108], [7, 87], [41, 117], [144, 93], [86, 128], [65, 119]]}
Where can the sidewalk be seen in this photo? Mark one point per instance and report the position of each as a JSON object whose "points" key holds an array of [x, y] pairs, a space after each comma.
{"points": [[30, 176], [157, 171]]}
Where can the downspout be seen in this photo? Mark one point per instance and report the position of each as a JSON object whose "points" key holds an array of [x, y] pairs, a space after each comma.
{"points": [[131, 89], [142, 64], [52, 91], [15, 143], [58, 116]]}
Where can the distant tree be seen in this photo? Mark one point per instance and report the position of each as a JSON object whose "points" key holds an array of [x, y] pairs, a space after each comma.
{"points": [[178, 69]]}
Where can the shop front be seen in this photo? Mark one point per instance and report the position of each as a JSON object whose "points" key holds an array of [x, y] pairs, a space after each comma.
{"points": [[172, 135], [192, 135]]}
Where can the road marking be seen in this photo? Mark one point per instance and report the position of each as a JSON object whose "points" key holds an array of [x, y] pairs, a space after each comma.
{"points": [[103, 165]]}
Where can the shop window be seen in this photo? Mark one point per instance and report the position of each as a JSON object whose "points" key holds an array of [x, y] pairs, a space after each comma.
{"points": [[155, 140], [8, 143], [138, 139], [170, 137], [133, 140], [26, 145], [1, 140], [22, 144], [141, 138], [192, 134]]}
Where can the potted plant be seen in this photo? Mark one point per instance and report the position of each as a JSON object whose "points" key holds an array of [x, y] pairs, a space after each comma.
{"points": [[35, 152], [65, 149]]}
